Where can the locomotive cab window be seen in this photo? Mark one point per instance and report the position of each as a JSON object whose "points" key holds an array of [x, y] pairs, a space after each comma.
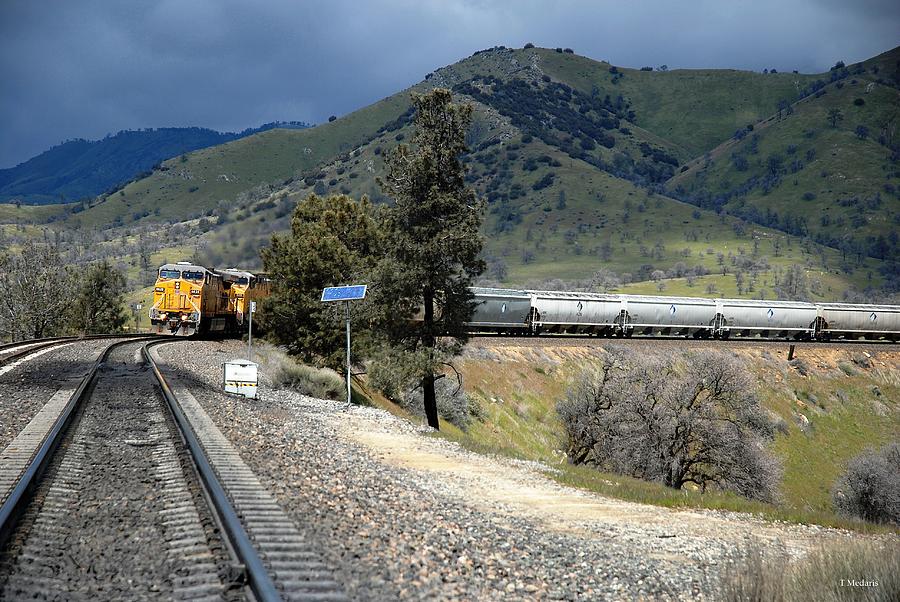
{"points": [[243, 281], [169, 274], [193, 276]]}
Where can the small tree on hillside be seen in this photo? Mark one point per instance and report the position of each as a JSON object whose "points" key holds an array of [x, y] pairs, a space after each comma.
{"points": [[35, 292], [99, 305], [693, 419], [793, 285], [835, 116], [332, 241], [434, 243]]}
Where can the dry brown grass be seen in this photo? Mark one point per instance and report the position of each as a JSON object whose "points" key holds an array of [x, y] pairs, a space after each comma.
{"points": [[863, 571]]}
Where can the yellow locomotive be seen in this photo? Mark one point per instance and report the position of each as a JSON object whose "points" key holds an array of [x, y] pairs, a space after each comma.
{"points": [[190, 299], [244, 288]]}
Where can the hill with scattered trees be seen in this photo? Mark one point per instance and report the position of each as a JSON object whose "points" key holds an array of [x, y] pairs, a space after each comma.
{"points": [[699, 182]]}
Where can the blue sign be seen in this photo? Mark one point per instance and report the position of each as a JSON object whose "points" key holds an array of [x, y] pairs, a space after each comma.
{"points": [[344, 293]]}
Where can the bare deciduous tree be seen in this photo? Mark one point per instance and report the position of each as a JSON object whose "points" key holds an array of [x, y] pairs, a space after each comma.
{"points": [[34, 292], [674, 420]]}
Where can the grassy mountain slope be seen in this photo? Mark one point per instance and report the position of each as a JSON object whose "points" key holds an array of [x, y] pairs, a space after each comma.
{"points": [[584, 220], [839, 184], [570, 154], [694, 109], [80, 169], [195, 183]]}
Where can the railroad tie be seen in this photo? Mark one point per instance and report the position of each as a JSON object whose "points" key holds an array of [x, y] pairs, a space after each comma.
{"points": [[186, 542], [15, 458], [296, 567]]}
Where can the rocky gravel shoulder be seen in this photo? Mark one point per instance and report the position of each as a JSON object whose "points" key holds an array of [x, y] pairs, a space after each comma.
{"points": [[28, 385], [403, 515]]}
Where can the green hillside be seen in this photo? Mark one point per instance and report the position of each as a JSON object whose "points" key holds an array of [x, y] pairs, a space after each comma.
{"points": [[837, 183], [82, 169], [580, 163], [582, 221], [694, 109], [197, 182]]}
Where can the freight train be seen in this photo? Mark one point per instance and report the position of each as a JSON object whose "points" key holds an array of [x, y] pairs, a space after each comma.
{"points": [[192, 299], [528, 312]]}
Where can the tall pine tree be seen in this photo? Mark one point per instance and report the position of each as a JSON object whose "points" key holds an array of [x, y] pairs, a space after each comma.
{"points": [[434, 243]]}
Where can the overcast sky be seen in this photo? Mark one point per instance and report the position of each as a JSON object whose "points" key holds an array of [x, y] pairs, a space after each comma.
{"points": [[83, 69]]}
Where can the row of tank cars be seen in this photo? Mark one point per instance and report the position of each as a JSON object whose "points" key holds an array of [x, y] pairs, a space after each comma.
{"points": [[191, 299], [528, 312]]}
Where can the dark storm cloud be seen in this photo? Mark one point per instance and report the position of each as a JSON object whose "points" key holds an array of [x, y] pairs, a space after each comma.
{"points": [[83, 69]]}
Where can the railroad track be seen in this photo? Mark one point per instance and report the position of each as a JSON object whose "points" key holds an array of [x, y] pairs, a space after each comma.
{"points": [[12, 352], [129, 467], [551, 340]]}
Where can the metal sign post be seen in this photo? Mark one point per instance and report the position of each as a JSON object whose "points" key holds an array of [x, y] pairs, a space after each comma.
{"points": [[345, 294], [250, 332], [347, 306]]}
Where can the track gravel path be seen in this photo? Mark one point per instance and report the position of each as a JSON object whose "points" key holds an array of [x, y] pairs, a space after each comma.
{"points": [[406, 516], [29, 383], [120, 515]]}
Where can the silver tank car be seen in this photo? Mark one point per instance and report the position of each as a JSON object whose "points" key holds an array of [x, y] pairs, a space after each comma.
{"points": [[501, 310], [669, 315], [767, 318], [530, 311], [852, 320], [557, 311]]}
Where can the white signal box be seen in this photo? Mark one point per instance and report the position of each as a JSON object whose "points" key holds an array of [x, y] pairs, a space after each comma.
{"points": [[241, 377]]}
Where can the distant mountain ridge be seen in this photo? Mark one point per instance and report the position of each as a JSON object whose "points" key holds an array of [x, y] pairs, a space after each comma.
{"points": [[80, 169]]}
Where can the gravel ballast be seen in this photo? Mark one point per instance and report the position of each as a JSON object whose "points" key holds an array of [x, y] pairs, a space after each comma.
{"points": [[27, 386], [401, 515], [120, 515]]}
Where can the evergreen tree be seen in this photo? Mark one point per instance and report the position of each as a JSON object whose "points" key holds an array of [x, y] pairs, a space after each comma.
{"points": [[99, 306], [333, 240], [434, 243]]}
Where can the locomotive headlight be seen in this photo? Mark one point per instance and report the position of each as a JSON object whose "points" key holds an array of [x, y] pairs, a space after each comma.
{"points": [[163, 316], [184, 316]]}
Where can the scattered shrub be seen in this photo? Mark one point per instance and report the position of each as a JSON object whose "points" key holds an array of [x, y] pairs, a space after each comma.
{"points": [[847, 369], [322, 383], [396, 376], [861, 360], [870, 489]]}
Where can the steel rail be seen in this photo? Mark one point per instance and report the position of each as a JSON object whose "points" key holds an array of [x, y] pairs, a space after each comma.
{"points": [[548, 336], [33, 345], [258, 577], [14, 344], [20, 495], [30, 347]]}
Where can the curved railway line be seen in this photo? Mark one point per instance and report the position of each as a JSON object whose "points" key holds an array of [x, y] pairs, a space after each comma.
{"points": [[128, 465], [550, 340]]}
